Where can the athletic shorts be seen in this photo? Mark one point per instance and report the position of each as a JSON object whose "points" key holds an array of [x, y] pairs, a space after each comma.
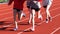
{"points": [[33, 5], [46, 2], [17, 10]]}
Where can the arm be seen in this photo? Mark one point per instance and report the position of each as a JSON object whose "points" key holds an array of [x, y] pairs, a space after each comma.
{"points": [[10, 1]]}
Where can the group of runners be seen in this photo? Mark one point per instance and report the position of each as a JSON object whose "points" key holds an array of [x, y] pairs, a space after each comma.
{"points": [[33, 7]]}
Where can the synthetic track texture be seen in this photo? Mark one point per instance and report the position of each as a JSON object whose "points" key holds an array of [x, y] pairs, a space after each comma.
{"points": [[6, 18]]}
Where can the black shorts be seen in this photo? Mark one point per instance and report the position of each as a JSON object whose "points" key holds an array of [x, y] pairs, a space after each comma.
{"points": [[36, 9], [45, 6], [16, 9], [32, 5]]}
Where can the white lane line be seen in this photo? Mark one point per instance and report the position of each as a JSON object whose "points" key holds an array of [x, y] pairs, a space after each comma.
{"points": [[5, 13], [53, 5], [5, 18], [56, 2], [43, 21], [18, 21], [52, 17], [55, 30], [11, 10], [38, 24], [8, 13], [52, 10], [55, 9], [26, 18]]}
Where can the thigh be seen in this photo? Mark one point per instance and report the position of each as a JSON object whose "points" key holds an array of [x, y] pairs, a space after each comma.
{"points": [[14, 11], [36, 6], [45, 3], [19, 12], [50, 4]]}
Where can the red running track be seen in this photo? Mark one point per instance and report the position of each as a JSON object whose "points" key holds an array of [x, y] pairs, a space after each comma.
{"points": [[6, 18]]}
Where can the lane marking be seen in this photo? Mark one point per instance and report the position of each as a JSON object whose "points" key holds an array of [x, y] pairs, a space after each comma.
{"points": [[55, 30], [26, 18], [11, 10], [38, 24]]}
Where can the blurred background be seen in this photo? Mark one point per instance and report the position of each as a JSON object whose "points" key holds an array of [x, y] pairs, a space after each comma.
{"points": [[3, 1]]}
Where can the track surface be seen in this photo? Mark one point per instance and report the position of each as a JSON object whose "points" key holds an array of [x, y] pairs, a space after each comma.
{"points": [[6, 18]]}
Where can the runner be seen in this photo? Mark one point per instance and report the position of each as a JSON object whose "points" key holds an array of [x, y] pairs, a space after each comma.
{"points": [[33, 6], [17, 8], [47, 4]]}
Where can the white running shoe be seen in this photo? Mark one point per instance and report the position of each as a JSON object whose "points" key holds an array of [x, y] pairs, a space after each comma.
{"points": [[47, 20], [32, 29], [23, 14], [40, 17], [15, 29]]}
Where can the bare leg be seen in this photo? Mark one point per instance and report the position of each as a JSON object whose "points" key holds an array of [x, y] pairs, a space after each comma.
{"points": [[19, 15], [33, 20], [30, 16], [14, 14], [22, 14], [48, 13], [39, 15]]}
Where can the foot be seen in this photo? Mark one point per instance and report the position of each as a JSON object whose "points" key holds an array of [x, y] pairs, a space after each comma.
{"points": [[15, 29], [40, 17], [16, 26], [50, 18], [23, 14], [32, 30], [29, 22], [47, 20]]}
